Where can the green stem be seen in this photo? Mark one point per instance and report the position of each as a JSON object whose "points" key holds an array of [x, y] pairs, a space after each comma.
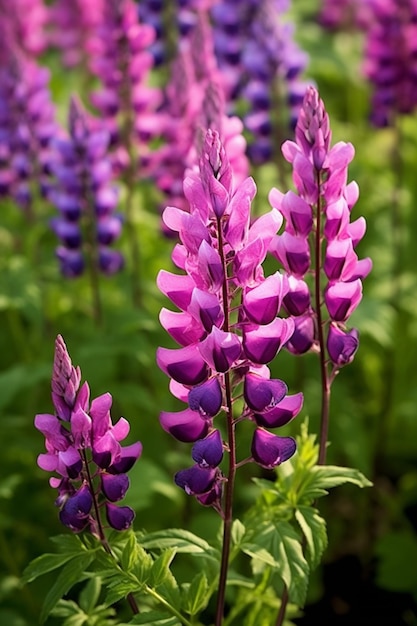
{"points": [[101, 534]]}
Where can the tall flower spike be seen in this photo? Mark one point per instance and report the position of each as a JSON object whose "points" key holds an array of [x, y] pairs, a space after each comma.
{"points": [[83, 448], [85, 194], [219, 350], [317, 249]]}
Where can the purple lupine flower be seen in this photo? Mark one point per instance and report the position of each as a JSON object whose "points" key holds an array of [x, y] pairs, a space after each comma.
{"points": [[390, 59], [73, 25], [219, 352], [84, 193], [83, 448], [320, 210], [127, 104], [256, 51], [27, 124]]}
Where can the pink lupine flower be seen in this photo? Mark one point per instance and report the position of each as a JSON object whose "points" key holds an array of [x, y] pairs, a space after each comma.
{"points": [[320, 211], [228, 325], [82, 445]]}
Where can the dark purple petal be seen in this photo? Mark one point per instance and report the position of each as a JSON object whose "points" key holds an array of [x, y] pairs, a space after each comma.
{"points": [[195, 480], [342, 345], [127, 458], [206, 398], [342, 299], [106, 450], [119, 517], [213, 496], [263, 393], [205, 307], [184, 425], [76, 509], [304, 335], [208, 452], [269, 450], [114, 486]]}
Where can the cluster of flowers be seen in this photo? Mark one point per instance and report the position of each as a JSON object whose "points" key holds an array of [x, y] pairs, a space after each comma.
{"points": [[83, 448], [121, 60], [320, 212], [345, 14], [85, 196], [390, 59], [26, 123], [228, 325]]}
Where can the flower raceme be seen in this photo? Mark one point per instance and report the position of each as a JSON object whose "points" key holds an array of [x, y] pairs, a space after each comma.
{"points": [[319, 212], [227, 326], [83, 448]]}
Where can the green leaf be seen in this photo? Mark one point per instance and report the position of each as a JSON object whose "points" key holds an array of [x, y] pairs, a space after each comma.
{"points": [[197, 594], [44, 564], [71, 574], [131, 553], [68, 543], [182, 540], [315, 532], [324, 477], [119, 588], [238, 532], [160, 568], [90, 594]]}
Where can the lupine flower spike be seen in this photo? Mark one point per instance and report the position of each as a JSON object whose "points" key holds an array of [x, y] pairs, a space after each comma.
{"points": [[228, 329], [317, 246], [84, 452]]}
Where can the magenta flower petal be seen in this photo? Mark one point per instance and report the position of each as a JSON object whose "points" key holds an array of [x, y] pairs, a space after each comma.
{"points": [[81, 425], [340, 260], [269, 450], [196, 480], [205, 307], [114, 486], [263, 393], [262, 344], [282, 413], [185, 365], [342, 299], [100, 414], [262, 303], [206, 398], [177, 288], [69, 463], [293, 252], [184, 425], [119, 517], [208, 452], [105, 450], [210, 267], [51, 427], [220, 350], [182, 327]]}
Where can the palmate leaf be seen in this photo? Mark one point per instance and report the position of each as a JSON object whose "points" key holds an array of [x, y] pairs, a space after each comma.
{"points": [[278, 545]]}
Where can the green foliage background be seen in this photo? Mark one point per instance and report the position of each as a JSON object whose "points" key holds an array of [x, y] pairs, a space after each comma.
{"points": [[373, 413]]}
